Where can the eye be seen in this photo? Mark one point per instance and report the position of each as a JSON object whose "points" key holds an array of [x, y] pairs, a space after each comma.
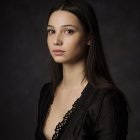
{"points": [[50, 31], [69, 31]]}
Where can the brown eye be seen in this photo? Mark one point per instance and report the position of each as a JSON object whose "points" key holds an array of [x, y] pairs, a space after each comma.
{"points": [[69, 31], [50, 31]]}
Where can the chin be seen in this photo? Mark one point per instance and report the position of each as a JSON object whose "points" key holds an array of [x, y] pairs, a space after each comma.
{"points": [[58, 61], [64, 61]]}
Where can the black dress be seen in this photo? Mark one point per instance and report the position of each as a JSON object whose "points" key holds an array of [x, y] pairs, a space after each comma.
{"points": [[98, 114]]}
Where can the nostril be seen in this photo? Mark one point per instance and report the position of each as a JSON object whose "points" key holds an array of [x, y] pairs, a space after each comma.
{"points": [[57, 42]]}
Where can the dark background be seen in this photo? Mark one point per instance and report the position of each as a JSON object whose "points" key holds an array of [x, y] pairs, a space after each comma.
{"points": [[24, 63]]}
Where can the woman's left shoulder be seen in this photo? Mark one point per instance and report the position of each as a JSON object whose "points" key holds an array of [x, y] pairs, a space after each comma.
{"points": [[107, 115], [115, 95], [107, 100], [108, 94], [107, 105]]}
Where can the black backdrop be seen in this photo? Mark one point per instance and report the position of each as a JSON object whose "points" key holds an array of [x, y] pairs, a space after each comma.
{"points": [[24, 63]]}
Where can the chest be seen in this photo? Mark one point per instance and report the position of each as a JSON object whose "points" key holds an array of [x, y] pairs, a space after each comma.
{"points": [[57, 111]]}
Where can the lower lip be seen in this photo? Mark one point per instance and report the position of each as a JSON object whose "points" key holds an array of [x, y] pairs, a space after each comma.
{"points": [[58, 53]]}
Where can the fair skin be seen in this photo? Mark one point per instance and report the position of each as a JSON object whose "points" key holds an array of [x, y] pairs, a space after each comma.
{"points": [[65, 32]]}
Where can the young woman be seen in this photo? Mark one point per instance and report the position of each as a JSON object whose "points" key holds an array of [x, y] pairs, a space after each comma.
{"points": [[81, 102]]}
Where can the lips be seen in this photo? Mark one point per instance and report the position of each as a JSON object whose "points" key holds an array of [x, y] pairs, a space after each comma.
{"points": [[58, 52]]}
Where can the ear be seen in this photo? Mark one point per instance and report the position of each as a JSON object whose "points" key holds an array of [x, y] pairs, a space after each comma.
{"points": [[88, 40]]}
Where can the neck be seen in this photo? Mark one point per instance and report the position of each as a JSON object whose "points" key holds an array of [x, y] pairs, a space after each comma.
{"points": [[73, 74]]}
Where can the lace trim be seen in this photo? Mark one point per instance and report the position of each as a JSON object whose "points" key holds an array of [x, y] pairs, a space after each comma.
{"points": [[61, 124], [64, 121]]}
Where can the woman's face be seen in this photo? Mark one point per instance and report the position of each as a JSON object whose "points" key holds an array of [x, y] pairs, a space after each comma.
{"points": [[67, 40]]}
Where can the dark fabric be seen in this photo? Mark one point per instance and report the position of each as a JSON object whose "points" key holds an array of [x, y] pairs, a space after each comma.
{"points": [[101, 114]]}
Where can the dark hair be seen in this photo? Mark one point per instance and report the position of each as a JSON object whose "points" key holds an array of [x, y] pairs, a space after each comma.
{"points": [[96, 70]]}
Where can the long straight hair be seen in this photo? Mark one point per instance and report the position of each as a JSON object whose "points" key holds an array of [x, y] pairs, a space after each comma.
{"points": [[96, 69]]}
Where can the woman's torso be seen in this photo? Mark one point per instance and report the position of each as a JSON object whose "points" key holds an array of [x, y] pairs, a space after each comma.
{"points": [[80, 122], [62, 103]]}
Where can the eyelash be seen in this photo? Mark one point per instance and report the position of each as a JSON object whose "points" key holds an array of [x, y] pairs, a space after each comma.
{"points": [[70, 31], [50, 31], [67, 31]]}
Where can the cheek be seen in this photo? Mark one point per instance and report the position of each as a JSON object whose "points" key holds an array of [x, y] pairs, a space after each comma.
{"points": [[48, 40], [76, 45], [49, 43]]}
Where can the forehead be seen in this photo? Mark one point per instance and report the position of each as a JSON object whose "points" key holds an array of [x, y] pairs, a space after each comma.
{"points": [[62, 17]]}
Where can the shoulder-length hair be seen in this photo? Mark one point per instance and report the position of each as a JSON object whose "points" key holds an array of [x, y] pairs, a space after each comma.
{"points": [[96, 70]]}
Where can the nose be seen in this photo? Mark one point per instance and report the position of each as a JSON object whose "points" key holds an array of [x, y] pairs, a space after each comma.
{"points": [[57, 39]]}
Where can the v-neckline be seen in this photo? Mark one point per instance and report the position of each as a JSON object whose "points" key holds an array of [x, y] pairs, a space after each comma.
{"points": [[60, 125]]}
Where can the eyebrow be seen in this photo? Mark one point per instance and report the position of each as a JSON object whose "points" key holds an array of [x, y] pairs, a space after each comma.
{"points": [[64, 25]]}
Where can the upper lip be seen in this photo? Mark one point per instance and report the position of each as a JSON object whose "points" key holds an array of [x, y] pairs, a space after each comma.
{"points": [[58, 50]]}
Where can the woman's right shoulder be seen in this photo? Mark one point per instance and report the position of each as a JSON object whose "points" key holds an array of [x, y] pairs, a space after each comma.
{"points": [[46, 86], [45, 93], [46, 89], [45, 96]]}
